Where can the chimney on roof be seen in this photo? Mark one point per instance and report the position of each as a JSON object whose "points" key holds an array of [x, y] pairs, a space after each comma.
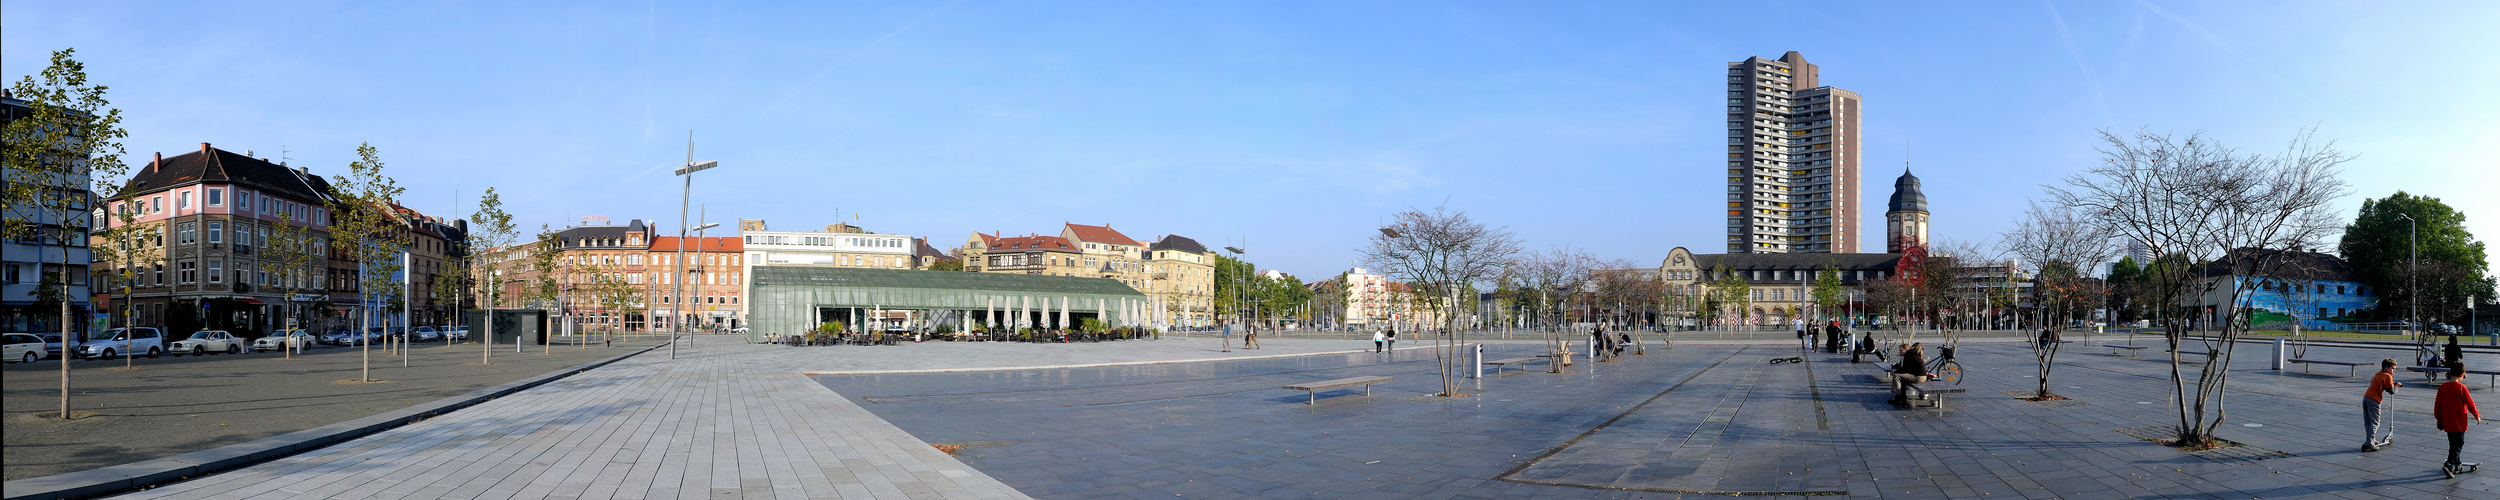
{"points": [[203, 148], [160, 158]]}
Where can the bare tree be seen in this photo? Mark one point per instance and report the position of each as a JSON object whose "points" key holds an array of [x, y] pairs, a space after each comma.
{"points": [[2208, 203], [1439, 253], [2057, 244], [1549, 280]]}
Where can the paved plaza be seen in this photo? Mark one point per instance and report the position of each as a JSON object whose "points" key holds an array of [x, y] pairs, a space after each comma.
{"points": [[179, 404], [1163, 419]]}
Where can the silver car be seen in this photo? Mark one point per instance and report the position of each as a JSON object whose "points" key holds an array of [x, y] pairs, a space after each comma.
{"points": [[121, 341], [23, 347]]}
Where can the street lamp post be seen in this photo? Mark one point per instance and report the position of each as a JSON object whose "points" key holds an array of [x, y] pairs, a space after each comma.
{"points": [[1239, 295], [2413, 243], [685, 198]]}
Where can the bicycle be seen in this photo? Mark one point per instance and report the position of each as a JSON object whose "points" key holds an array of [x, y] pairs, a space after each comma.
{"points": [[1944, 367]]}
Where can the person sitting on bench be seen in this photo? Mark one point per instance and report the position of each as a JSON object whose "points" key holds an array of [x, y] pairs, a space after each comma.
{"points": [[1866, 345], [1911, 372]]}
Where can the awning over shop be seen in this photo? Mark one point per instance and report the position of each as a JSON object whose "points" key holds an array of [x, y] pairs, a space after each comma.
{"points": [[249, 300]]}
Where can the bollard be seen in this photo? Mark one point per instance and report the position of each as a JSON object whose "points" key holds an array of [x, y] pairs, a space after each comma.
{"points": [[1479, 360], [2278, 354]]}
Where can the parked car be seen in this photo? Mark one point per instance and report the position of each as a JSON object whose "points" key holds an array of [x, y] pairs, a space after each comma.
{"points": [[290, 339], [456, 333], [24, 347], [117, 341], [207, 341], [339, 337], [52, 345], [429, 334]]}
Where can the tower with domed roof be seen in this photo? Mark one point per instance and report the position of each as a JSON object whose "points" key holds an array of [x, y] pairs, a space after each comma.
{"points": [[1905, 222]]}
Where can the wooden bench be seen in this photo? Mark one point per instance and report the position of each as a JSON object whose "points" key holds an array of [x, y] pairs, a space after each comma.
{"points": [[2131, 349], [2431, 373], [2304, 364], [1499, 363], [1315, 387]]}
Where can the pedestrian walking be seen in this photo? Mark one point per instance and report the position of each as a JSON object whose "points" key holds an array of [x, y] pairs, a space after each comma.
{"points": [[2452, 407], [1802, 343], [1377, 340], [1228, 336], [1250, 337], [1393, 340], [2374, 409]]}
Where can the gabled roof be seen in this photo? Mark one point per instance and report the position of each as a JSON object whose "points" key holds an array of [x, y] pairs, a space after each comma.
{"points": [[210, 164], [709, 244], [1032, 244], [924, 250], [1179, 243], [1099, 234]]}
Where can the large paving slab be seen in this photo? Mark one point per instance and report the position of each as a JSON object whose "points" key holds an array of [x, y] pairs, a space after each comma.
{"points": [[184, 404], [726, 419], [1698, 420]]}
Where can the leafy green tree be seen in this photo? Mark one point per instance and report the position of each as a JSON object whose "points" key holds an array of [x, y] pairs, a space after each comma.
{"points": [[2379, 244], [363, 222], [68, 141], [286, 257], [1827, 289], [490, 229], [1731, 291]]}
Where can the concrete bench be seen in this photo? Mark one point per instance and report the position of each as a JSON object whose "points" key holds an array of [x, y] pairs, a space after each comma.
{"points": [[1935, 395], [1499, 363], [2304, 364], [2205, 354], [2431, 373], [1315, 387], [2131, 349]]}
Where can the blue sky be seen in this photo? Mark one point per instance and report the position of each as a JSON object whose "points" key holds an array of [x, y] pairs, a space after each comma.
{"points": [[1298, 125]]}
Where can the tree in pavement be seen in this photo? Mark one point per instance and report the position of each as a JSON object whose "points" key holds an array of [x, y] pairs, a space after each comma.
{"points": [[68, 141], [286, 257], [1553, 281], [545, 285], [364, 223], [1439, 253], [2379, 244], [2056, 243], [489, 230], [2221, 212], [130, 248], [1731, 291], [1828, 291]]}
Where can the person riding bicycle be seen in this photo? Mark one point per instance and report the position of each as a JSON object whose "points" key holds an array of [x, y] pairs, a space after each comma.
{"points": [[1912, 371]]}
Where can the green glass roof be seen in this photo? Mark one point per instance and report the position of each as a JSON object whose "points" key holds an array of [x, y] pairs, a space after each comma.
{"points": [[772, 276]]}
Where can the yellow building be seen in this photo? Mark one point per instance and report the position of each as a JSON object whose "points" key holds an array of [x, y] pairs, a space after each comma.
{"points": [[1108, 254], [1180, 277]]}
